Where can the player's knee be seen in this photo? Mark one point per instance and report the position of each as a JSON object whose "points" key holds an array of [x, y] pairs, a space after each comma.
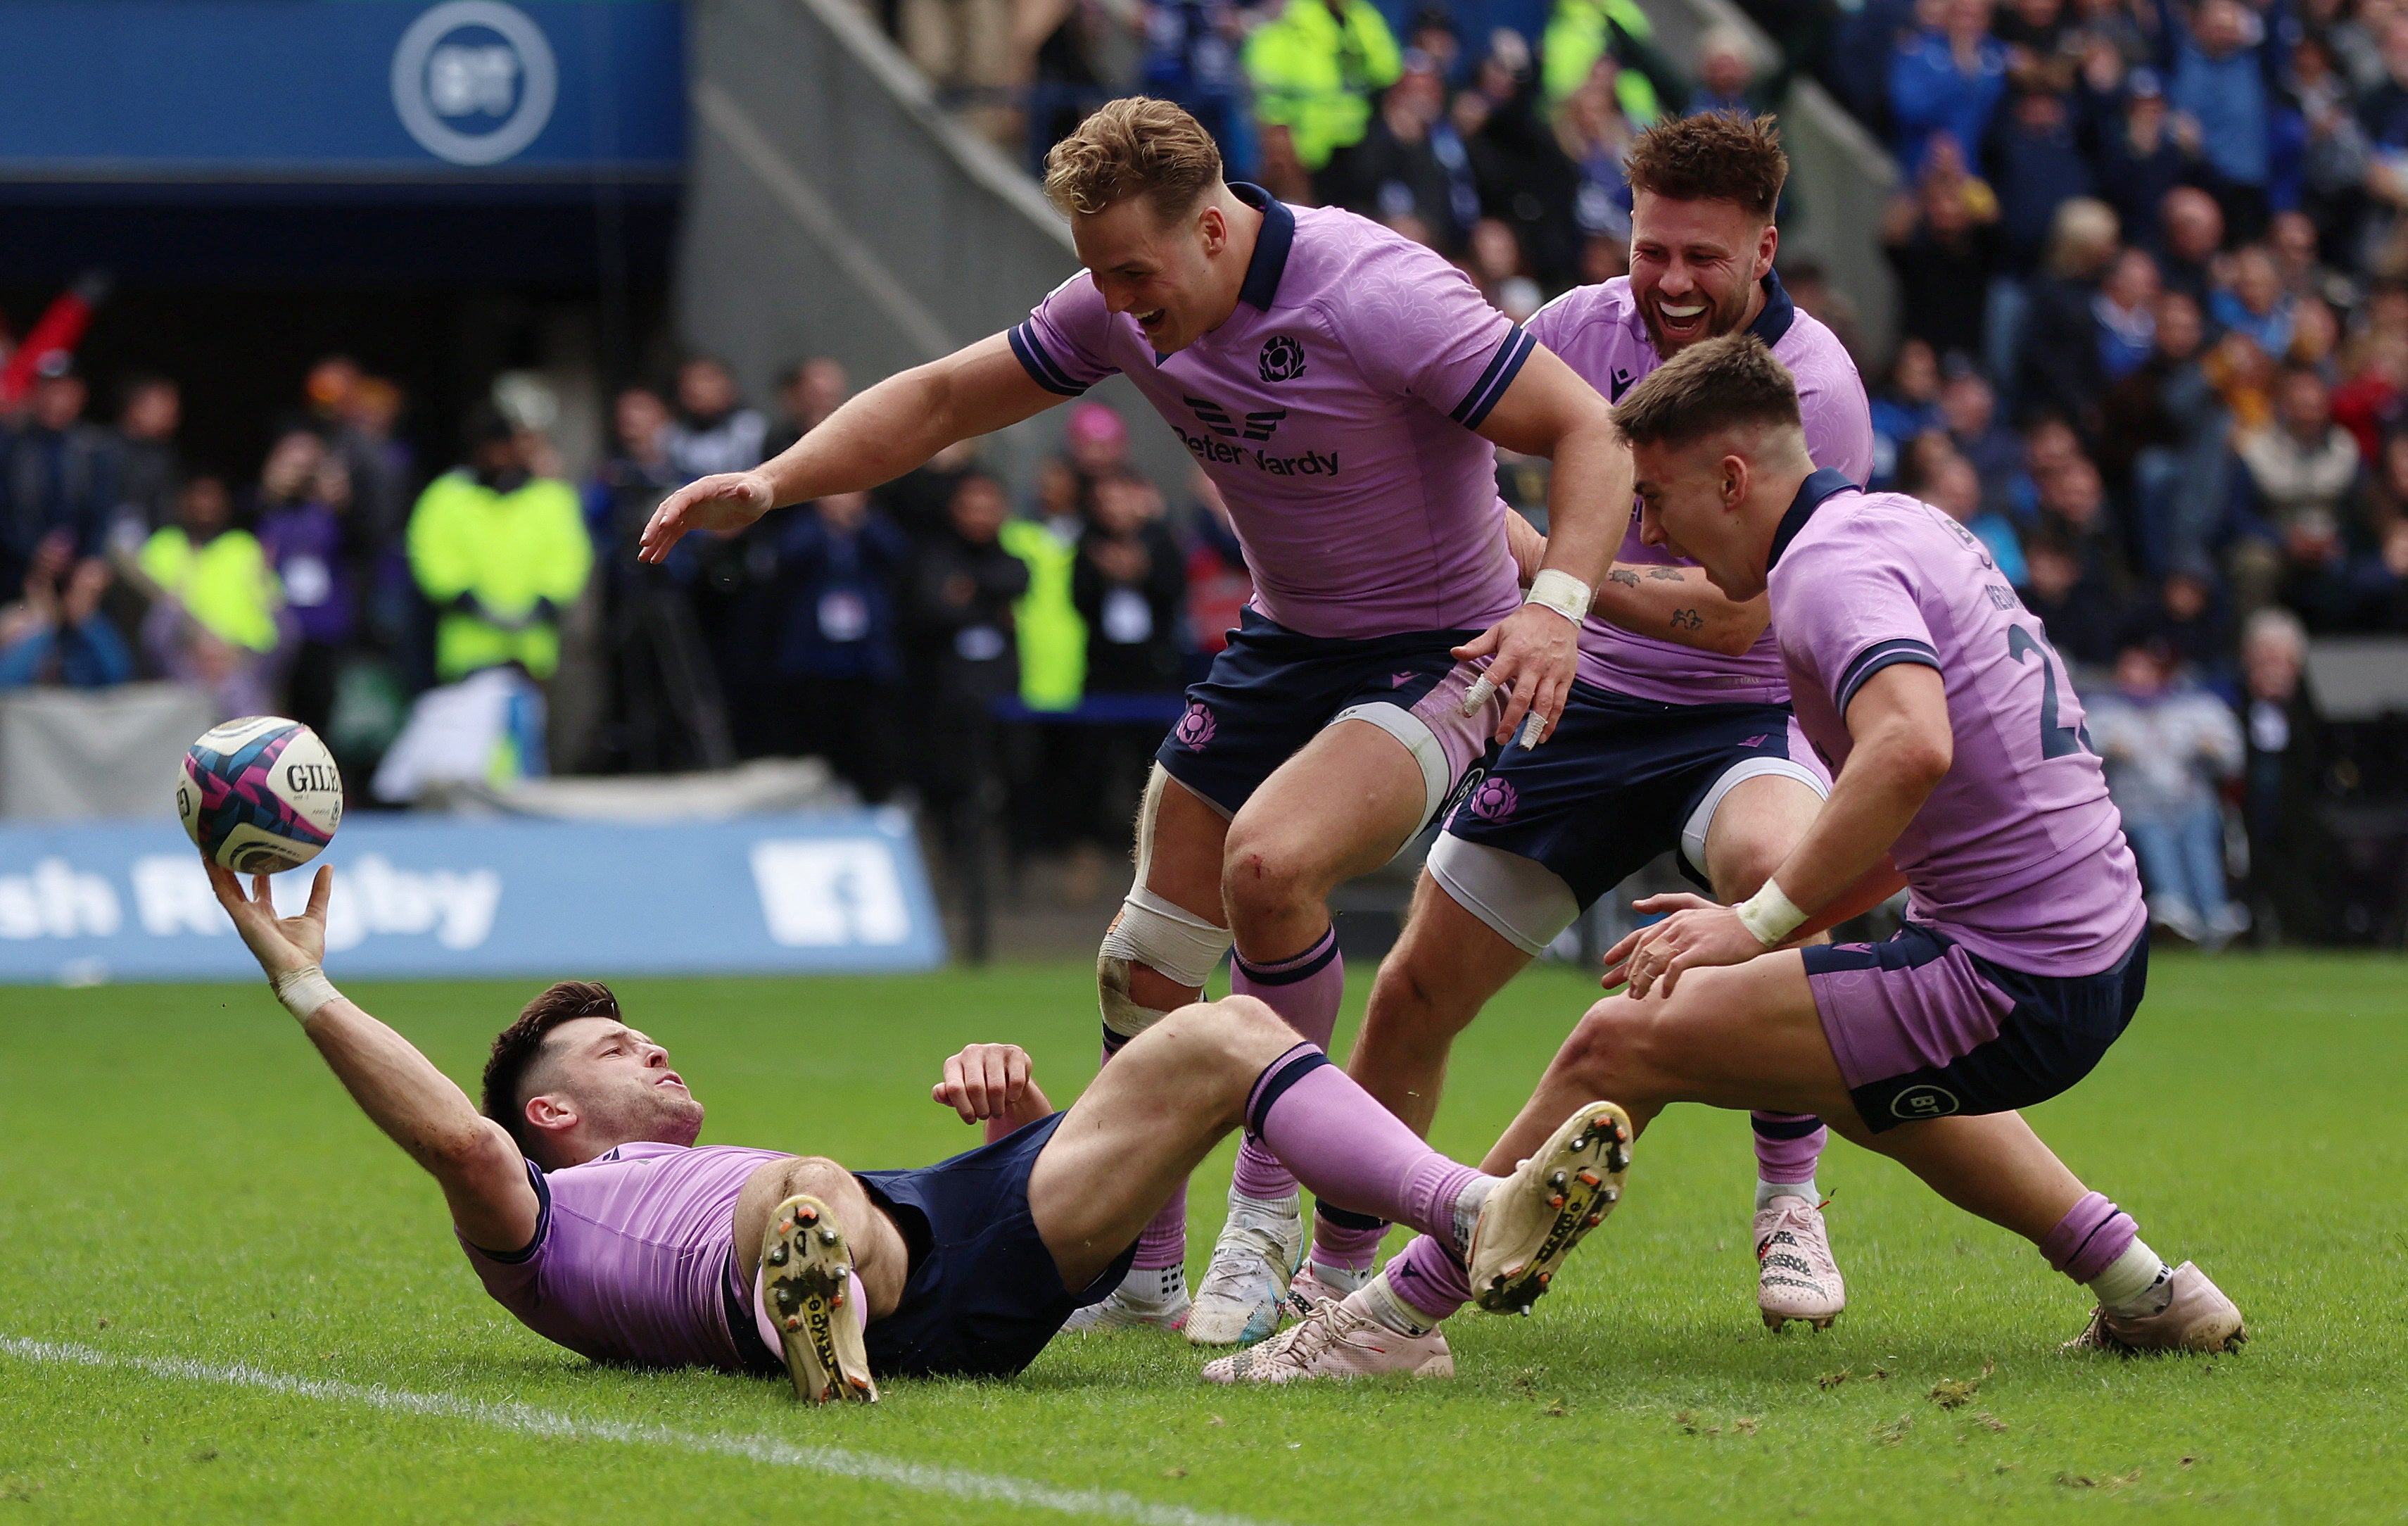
{"points": [[1741, 868], [816, 1175], [1410, 998], [1263, 876], [1609, 1048]]}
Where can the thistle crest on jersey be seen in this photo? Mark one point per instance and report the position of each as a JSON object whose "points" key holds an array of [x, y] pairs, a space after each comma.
{"points": [[1283, 359], [259, 795]]}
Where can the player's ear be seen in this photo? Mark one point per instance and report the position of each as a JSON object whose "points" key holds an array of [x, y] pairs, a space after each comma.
{"points": [[1735, 480], [552, 1113], [1213, 224], [1767, 244]]}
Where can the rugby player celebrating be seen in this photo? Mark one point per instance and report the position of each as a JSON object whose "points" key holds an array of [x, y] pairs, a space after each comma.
{"points": [[1677, 735], [1342, 386], [1964, 775], [588, 1211]]}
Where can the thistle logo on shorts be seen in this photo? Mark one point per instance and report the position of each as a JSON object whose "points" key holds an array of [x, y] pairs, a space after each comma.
{"points": [[1283, 359], [1494, 800], [1216, 418], [1924, 1101], [1194, 729]]}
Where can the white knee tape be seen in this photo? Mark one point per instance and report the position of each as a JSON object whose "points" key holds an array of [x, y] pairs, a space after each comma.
{"points": [[1171, 940]]}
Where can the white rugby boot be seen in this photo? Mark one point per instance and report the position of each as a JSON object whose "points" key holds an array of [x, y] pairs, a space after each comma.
{"points": [[2195, 1317], [1239, 1302], [807, 1275], [1155, 1297], [1796, 1278], [1534, 1218], [1335, 1340]]}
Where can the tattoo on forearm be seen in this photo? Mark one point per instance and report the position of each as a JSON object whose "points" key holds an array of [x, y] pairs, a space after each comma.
{"points": [[1624, 577], [1686, 620], [1666, 574]]}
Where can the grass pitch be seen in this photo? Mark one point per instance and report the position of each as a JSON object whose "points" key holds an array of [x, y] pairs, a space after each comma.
{"points": [[225, 1296]]}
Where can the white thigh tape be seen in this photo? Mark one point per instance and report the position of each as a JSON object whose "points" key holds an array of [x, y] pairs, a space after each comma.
{"points": [[1419, 740], [1523, 900], [1701, 820]]}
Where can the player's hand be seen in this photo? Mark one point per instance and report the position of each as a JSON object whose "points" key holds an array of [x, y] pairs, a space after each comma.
{"points": [[1532, 655], [281, 944], [725, 502], [984, 1081], [1699, 934]]}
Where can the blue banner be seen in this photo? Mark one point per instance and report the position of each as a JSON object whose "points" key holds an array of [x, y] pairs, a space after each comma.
{"points": [[836, 891], [361, 90]]}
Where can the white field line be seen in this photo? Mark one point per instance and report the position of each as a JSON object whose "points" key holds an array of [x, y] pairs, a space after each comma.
{"points": [[525, 1419]]}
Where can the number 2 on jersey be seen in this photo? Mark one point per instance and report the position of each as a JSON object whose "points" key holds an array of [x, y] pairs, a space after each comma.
{"points": [[2054, 740]]}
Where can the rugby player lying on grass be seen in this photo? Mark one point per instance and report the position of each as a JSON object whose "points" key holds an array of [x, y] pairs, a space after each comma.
{"points": [[589, 1212], [1963, 774]]}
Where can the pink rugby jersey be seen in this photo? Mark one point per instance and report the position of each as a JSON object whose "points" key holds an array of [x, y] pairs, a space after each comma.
{"points": [[1598, 332], [2018, 854], [1335, 409]]}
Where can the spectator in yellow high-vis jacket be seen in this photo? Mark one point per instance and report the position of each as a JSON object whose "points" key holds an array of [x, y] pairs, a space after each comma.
{"points": [[498, 552], [1315, 68]]}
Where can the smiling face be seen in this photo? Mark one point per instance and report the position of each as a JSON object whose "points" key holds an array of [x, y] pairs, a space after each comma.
{"points": [[1696, 268], [1169, 274], [597, 1083]]}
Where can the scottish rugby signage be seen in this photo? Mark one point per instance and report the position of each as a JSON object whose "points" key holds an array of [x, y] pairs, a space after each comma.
{"points": [[842, 891]]}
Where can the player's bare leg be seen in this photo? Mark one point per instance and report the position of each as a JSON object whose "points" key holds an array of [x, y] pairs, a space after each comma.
{"points": [[1750, 1035], [1342, 806], [1445, 968], [824, 1262], [1163, 943], [1755, 826]]}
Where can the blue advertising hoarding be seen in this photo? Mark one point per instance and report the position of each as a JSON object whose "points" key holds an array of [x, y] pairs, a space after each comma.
{"points": [[833, 891], [339, 90]]}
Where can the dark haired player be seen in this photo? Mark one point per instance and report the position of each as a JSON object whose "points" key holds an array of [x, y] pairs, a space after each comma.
{"points": [[1963, 776], [590, 1214], [1342, 386], [1677, 736]]}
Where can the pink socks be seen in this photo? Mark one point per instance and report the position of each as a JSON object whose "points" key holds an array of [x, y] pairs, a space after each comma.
{"points": [[1353, 1152], [1304, 991]]}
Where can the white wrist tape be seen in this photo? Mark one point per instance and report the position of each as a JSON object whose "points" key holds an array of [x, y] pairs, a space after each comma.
{"points": [[1557, 590], [1769, 915], [304, 991]]}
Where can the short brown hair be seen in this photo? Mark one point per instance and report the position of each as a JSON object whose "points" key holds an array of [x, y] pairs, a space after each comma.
{"points": [[1133, 147], [1712, 156], [515, 1047], [1719, 384]]}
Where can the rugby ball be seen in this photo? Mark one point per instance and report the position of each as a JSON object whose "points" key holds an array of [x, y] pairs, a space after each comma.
{"points": [[259, 795]]}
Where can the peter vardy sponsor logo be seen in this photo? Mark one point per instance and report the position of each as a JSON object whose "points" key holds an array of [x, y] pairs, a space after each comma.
{"points": [[1310, 463]]}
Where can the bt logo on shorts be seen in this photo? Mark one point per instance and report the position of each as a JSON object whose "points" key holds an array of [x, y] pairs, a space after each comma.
{"points": [[1194, 729], [1924, 1100]]}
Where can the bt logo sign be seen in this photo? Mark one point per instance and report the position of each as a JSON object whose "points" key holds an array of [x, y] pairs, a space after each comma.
{"points": [[474, 81]]}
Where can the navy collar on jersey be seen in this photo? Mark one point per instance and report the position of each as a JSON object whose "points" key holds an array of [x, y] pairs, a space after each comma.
{"points": [[1271, 246], [1812, 495], [1777, 314]]}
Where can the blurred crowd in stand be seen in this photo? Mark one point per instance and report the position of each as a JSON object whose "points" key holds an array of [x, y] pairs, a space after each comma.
{"points": [[2153, 351]]}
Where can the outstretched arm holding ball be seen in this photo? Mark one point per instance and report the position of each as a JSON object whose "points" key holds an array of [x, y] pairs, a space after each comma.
{"points": [[473, 1158]]}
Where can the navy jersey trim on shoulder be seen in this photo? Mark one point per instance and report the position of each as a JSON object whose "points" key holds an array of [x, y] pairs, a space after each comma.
{"points": [[1039, 366], [542, 1223], [1812, 495], [1872, 659], [1778, 312], [1507, 364], [1271, 245]]}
